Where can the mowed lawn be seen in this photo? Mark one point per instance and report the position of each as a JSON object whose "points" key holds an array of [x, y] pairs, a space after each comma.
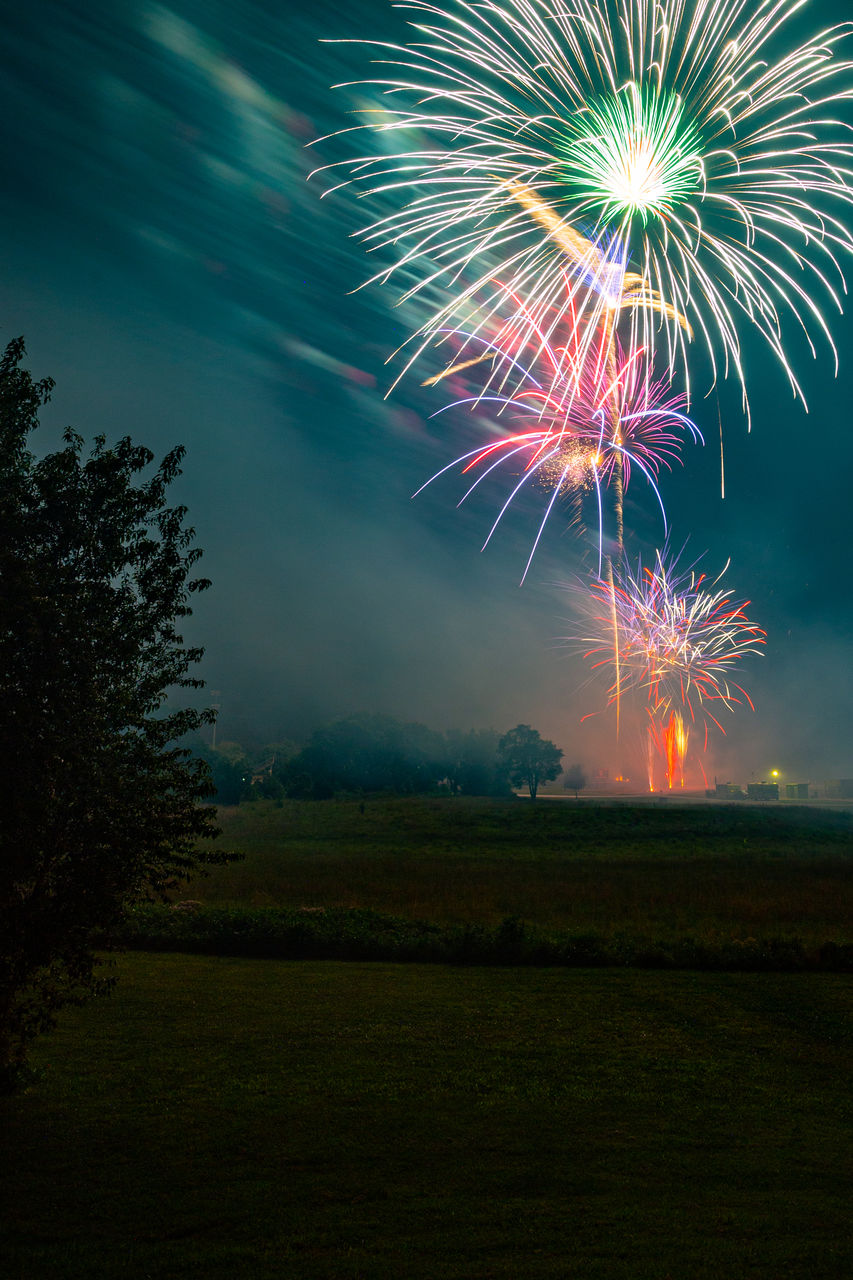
{"points": [[221, 1118], [656, 869]]}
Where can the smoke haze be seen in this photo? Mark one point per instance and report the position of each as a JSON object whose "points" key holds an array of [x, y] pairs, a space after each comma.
{"points": [[175, 272]]}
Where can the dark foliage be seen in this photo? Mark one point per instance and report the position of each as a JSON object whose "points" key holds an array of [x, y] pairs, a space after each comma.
{"points": [[367, 753], [574, 779], [361, 934], [378, 754], [473, 765], [98, 808], [229, 777], [237, 773], [529, 759], [364, 754]]}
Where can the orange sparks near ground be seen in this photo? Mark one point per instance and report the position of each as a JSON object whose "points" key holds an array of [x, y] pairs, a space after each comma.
{"points": [[672, 744]]}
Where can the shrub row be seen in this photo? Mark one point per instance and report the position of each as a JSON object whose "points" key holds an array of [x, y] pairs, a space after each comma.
{"points": [[338, 934]]}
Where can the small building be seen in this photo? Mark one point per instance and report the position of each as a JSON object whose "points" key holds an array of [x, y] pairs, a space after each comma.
{"points": [[762, 791], [839, 789], [728, 791], [796, 790]]}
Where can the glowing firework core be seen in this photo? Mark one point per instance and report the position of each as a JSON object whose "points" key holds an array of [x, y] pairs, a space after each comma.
{"points": [[573, 467], [633, 153]]}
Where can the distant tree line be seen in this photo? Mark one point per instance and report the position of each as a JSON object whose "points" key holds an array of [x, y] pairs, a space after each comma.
{"points": [[367, 753]]}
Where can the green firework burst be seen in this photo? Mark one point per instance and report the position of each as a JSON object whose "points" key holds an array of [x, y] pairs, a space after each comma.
{"points": [[632, 153]]}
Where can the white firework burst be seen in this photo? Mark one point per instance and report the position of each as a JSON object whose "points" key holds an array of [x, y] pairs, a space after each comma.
{"points": [[674, 159]]}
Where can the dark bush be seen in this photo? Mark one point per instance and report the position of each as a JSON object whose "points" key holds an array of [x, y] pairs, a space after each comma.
{"points": [[357, 934]]}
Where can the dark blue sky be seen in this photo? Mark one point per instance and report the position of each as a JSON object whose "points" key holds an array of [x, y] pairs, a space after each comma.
{"points": [[172, 268]]}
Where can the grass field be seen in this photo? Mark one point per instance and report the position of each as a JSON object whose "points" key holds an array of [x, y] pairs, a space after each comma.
{"points": [[222, 1118], [660, 871]]}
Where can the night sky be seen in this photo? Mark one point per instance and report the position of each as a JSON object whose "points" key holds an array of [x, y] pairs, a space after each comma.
{"points": [[172, 268]]}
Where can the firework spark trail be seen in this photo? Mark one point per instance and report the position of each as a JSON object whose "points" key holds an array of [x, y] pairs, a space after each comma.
{"points": [[595, 413], [668, 738], [684, 128], [680, 640], [616, 688], [650, 751], [597, 177]]}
